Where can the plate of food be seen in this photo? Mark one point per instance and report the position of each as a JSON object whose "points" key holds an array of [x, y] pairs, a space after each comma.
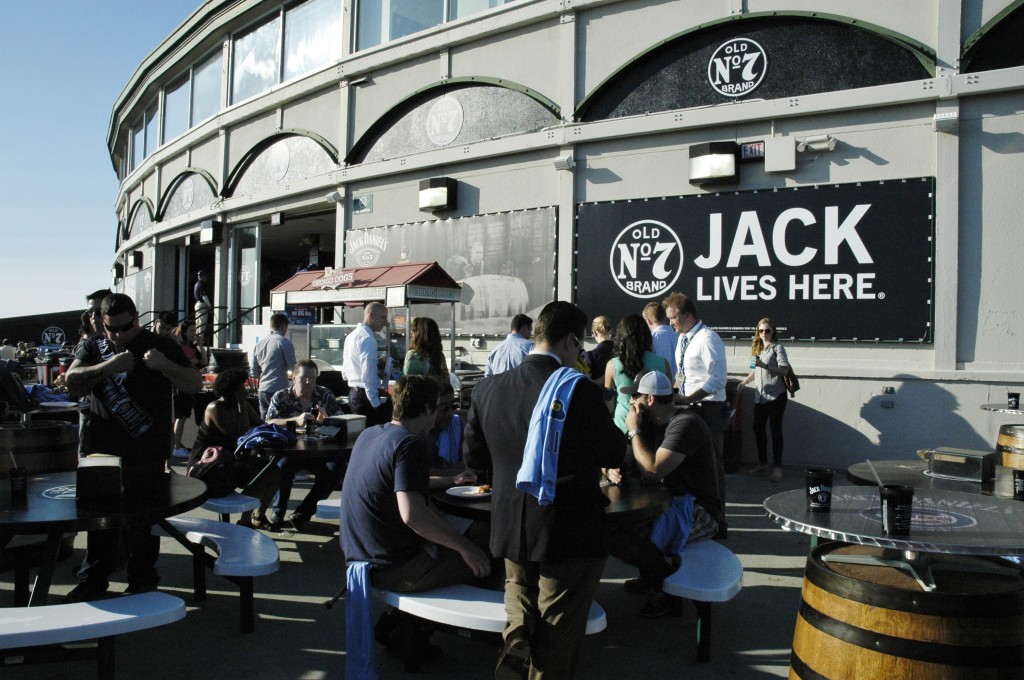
{"points": [[58, 404], [470, 492]]}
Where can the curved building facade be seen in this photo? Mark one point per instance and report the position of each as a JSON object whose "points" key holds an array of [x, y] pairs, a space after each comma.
{"points": [[849, 169]]}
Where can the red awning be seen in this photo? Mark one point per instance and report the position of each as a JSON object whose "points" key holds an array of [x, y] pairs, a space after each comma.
{"points": [[394, 285]]}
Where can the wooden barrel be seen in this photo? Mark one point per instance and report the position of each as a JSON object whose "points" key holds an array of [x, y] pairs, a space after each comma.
{"points": [[44, 446], [1010, 446], [859, 621]]}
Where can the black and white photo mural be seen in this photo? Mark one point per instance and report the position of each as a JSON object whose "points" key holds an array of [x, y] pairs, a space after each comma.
{"points": [[504, 261], [828, 262]]}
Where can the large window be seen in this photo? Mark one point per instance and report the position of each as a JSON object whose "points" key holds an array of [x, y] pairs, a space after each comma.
{"points": [[151, 122], [379, 21], [257, 55], [206, 89], [312, 37], [176, 120], [138, 144]]}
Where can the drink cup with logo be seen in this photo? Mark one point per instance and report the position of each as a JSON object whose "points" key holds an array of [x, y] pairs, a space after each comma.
{"points": [[19, 484], [897, 509], [819, 489], [1018, 484], [753, 361]]}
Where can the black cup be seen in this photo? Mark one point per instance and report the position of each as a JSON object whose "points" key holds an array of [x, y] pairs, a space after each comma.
{"points": [[819, 489], [897, 509], [19, 483], [1018, 484]]}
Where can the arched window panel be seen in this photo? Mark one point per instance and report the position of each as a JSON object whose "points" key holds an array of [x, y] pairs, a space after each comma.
{"points": [[141, 219], [998, 44], [757, 58], [461, 113], [280, 160], [191, 190]]}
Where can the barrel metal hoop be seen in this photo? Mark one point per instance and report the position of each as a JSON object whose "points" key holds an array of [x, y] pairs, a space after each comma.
{"points": [[802, 670], [947, 605], [926, 652]]}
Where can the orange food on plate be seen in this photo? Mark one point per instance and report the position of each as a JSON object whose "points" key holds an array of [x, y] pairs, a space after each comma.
{"points": [[486, 488]]}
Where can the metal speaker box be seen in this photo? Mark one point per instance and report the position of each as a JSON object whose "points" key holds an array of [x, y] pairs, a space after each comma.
{"points": [[962, 464]]}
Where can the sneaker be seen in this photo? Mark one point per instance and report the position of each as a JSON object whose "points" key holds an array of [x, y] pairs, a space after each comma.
{"points": [[87, 591], [298, 521], [180, 452], [637, 585], [140, 587], [777, 475], [760, 471], [661, 604], [515, 656]]}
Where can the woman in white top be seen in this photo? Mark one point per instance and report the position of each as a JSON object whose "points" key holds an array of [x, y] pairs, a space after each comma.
{"points": [[770, 366]]}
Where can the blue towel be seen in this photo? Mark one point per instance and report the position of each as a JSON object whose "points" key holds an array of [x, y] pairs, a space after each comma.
{"points": [[266, 435], [449, 442], [361, 661], [539, 470], [672, 529]]}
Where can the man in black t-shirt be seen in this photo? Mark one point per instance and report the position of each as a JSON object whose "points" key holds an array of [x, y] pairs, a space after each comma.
{"points": [[385, 519], [672, 446], [129, 373]]}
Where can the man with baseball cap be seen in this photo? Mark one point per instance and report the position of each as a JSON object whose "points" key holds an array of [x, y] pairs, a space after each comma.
{"points": [[672, 446]]}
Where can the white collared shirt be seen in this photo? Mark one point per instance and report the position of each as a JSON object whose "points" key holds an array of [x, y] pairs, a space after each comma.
{"points": [[703, 363], [360, 362]]}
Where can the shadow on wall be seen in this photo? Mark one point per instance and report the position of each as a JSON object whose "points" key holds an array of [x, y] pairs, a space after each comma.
{"points": [[923, 415], [919, 414]]}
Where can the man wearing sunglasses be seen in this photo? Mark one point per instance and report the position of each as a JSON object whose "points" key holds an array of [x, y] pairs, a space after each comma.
{"points": [[129, 372]]}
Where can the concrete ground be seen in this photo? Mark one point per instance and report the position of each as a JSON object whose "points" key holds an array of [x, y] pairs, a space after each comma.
{"points": [[296, 637]]}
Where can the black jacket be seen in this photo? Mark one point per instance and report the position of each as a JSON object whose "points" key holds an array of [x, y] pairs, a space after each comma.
{"points": [[496, 431]]}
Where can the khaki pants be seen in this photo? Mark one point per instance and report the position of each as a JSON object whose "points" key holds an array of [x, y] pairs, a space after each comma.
{"points": [[552, 599]]}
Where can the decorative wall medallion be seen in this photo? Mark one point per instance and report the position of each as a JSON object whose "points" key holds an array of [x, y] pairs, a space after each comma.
{"points": [[737, 67], [444, 121]]}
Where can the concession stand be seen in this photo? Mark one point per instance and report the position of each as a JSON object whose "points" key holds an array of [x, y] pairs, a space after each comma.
{"points": [[396, 286]]}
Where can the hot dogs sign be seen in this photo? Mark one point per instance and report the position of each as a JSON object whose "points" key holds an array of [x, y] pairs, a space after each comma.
{"points": [[833, 261]]}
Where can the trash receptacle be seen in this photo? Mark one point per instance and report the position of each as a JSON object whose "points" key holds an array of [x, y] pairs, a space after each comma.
{"points": [[43, 372]]}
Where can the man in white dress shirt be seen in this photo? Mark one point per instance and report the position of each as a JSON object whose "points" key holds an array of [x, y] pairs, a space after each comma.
{"points": [[701, 374], [360, 366]]}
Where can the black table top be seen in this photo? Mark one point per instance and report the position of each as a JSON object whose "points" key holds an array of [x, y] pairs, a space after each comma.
{"points": [[631, 500], [915, 473], [52, 507], [943, 521], [315, 446]]}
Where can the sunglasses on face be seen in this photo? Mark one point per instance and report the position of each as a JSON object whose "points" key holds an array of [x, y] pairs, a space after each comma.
{"points": [[120, 329], [769, 331]]}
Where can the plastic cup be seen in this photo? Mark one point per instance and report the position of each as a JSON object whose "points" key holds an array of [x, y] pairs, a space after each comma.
{"points": [[19, 483], [819, 489], [897, 509], [1018, 484]]}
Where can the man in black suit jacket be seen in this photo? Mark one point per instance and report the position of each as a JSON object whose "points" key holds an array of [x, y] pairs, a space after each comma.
{"points": [[554, 554]]}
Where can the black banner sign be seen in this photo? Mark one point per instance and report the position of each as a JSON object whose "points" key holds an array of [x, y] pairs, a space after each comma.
{"points": [[835, 262]]}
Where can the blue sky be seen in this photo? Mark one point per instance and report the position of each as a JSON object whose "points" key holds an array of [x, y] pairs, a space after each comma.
{"points": [[64, 63]]}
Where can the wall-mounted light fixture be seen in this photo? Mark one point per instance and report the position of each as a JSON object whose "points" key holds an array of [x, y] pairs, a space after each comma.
{"points": [[714, 163], [438, 193], [816, 143], [117, 271], [946, 121], [360, 81], [276, 219], [211, 231], [137, 259], [335, 197], [565, 162]]}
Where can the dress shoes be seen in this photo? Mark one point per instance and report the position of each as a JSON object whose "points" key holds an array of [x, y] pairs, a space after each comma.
{"points": [[514, 660]]}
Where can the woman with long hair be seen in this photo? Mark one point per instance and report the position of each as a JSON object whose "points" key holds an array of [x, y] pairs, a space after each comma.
{"points": [[769, 365], [426, 354], [633, 345], [185, 334], [228, 417]]}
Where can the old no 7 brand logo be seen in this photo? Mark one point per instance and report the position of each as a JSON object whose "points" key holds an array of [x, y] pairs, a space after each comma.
{"points": [[646, 259], [737, 67]]}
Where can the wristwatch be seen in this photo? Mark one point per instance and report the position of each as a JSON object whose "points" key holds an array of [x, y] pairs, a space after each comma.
{"points": [[632, 433]]}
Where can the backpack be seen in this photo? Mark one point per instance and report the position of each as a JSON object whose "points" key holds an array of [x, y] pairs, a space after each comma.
{"points": [[216, 468]]}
